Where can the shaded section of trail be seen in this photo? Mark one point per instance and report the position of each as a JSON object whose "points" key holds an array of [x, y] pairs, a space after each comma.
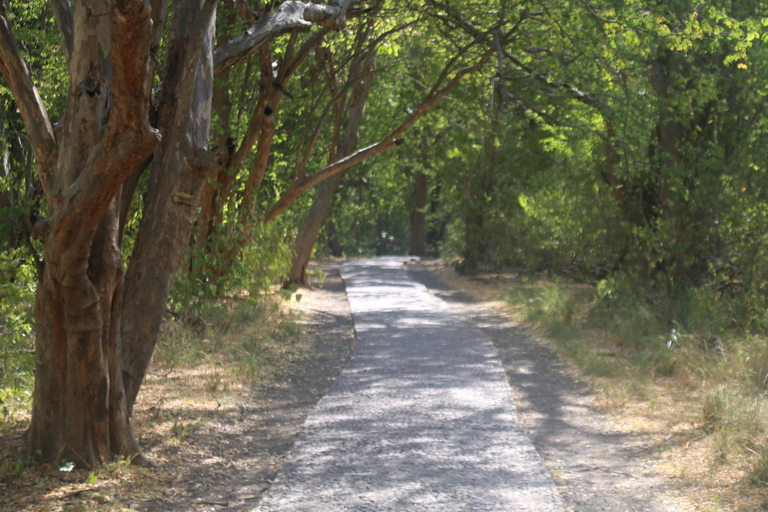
{"points": [[596, 469], [421, 419]]}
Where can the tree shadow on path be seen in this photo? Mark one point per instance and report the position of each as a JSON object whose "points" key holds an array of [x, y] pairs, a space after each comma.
{"points": [[595, 470]]}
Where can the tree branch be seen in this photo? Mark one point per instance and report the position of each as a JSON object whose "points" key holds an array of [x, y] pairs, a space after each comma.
{"points": [[594, 13], [290, 16], [304, 183], [310, 44], [338, 96], [301, 185], [39, 130], [575, 93], [256, 122], [554, 120], [301, 162], [159, 11], [62, 9]]}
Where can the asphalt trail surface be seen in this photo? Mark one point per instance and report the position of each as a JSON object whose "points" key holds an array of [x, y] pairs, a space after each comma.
{"points": [[421, 419]]}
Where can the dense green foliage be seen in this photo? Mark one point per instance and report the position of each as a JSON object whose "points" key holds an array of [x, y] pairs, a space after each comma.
{"points": [[618, 140]]}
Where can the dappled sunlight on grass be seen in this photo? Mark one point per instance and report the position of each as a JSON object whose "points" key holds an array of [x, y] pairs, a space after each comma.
{"points": [[193, 398]]}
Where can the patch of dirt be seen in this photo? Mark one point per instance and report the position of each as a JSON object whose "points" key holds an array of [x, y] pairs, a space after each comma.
{"points": [[596, 466], [240, 453]]}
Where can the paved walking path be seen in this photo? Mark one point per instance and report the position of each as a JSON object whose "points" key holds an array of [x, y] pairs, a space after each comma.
{"points": [[422, 419]]}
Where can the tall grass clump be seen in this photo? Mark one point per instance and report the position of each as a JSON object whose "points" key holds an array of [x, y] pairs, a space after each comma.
{"points": [[236, 321], [712, 345], [755, 371], [733, 420], [561, 309], [759, 470]]}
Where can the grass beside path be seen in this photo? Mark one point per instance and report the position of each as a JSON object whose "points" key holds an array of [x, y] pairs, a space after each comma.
{"points": [[200, 391], [698, 393]]}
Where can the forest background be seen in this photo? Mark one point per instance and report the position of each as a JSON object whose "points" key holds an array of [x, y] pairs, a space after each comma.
{"points": [[611, 154]]}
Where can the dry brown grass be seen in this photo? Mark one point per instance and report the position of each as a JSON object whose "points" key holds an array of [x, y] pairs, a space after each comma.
{"points": [[187, 404]]}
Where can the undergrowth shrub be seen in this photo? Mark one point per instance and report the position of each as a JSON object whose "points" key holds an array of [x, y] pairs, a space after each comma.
{"points": [[17, 336], [260, 265], [234, 320], [570, 225], [247, 338]]}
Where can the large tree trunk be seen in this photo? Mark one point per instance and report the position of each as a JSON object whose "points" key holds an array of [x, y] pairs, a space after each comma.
{"points": [[180, 167], [668, 72], [79, 408], [307, 236], [182, 163], [77, 382], [334, 241], [473, 226], [476, 199], [216, 190], [419, 216]]}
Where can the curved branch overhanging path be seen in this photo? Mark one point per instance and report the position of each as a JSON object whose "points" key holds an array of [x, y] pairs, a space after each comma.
{"points": [[421, 419]]}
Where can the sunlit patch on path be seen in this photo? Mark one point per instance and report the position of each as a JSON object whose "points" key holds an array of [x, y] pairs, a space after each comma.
{"points": [[421, 419]]}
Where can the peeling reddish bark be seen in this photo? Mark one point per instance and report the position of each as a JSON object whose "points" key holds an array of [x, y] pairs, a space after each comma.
{"points": [[79, 409]]}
